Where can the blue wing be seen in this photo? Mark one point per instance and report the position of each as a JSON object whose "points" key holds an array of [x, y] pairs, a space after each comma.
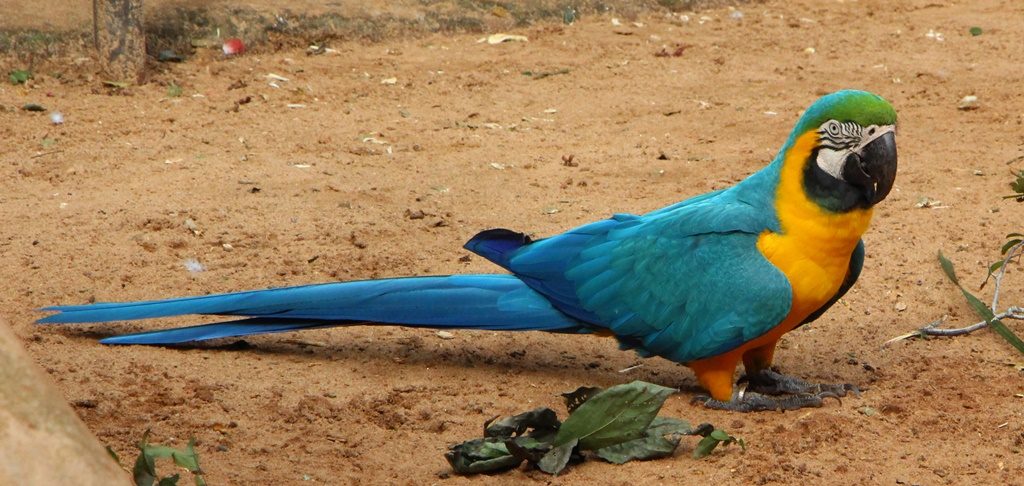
{"points": [[684, 283]]}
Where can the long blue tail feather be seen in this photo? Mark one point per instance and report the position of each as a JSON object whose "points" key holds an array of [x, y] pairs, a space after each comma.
{"points": [[203, 332], [494, 302]]}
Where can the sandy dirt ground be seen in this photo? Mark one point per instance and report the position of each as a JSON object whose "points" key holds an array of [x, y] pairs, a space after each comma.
{"points": [[370, 178]]}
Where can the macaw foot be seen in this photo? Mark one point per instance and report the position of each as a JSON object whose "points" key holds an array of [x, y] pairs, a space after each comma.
{"points": [[768, 382], [768, 390]]}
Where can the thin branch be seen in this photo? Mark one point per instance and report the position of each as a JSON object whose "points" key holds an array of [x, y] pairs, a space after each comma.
{"points": [[1002, 271], [1011, 313], [932, 329], [915, 332]]}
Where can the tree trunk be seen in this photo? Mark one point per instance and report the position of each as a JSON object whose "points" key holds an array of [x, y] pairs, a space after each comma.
{"points": [[42, 441], [119, 38]]}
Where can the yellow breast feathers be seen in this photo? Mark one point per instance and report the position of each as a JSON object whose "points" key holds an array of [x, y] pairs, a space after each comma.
{"points": [[814, 247]]}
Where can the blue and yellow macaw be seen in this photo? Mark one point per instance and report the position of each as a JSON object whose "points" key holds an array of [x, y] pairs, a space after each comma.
{"points": [[707, 282]]}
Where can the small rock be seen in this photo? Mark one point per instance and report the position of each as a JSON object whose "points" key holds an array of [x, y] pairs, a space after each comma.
{"points": [[191, 225], [900, 307], [868, 411], [85, 403], [444, 335], [967, 103]]}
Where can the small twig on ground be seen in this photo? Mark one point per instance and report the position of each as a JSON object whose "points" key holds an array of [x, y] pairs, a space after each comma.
{"points": [[931, 328], [1013, 312], [43, 154]]}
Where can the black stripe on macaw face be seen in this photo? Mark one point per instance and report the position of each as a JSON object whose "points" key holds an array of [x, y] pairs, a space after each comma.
{"points": [[839, 135], [830, 193]]}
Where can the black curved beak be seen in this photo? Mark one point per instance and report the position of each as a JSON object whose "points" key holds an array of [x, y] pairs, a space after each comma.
{"points": [[874, 168]]}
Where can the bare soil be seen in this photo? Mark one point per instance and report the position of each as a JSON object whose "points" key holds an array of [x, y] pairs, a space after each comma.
{"points": [[368, 179]]}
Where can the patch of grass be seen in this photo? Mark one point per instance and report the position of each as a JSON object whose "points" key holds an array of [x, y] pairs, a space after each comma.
{"points": [[173, 90], [19, 76]]}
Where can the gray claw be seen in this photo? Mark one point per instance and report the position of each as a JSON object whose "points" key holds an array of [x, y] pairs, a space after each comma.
{"points": [[769, 382], [769, 390], [756, 402]]}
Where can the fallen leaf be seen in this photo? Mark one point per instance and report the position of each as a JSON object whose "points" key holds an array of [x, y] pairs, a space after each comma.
{"points": [[712, 440], [578, 396], [660, 440], [555, 460], [543, 419], [481, 455], [618, 414]]}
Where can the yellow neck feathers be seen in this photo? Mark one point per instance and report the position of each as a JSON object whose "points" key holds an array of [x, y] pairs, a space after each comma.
{"points": [[814, 245]]}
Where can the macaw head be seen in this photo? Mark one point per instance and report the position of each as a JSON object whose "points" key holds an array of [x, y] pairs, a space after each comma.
{"points": [[852, 161]]}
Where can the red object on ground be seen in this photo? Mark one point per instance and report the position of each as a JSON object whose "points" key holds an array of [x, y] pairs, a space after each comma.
{"points": [[233, 46]]}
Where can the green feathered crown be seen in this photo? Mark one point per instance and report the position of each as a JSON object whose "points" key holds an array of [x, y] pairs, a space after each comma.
{"points": [[849, 105]]}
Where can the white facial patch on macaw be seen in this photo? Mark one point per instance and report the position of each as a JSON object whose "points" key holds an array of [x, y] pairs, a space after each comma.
{"points": [[839, 139]]}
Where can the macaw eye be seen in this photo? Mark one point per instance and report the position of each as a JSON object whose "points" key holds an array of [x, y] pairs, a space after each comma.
{"points": [[833, 128]]}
